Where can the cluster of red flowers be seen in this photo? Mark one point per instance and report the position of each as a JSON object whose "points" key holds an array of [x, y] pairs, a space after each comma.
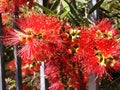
{"points": [[44, 38], [38, 34], [10, 5], [68, 53], [98, 48]]}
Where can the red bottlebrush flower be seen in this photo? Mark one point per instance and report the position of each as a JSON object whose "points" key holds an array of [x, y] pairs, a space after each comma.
{"points": [[57, 86], [114, 32], [105, 27], [115, 65], [117, 51], [94, 66], [90, 64], [19, 2], [52, 72], [27, 61], [67, 26], [29, 50], [12, 37], [65, 36], [31, 24], [5, 18], [3, 5], [12, 65], [40, 24], [53, 75], [86, 45], [25, 72], [87, 38], [90, 45], [74, 79], [38, 33], [39, 29], [100, 70], [22, 2], [10, 5], [106, 46]]}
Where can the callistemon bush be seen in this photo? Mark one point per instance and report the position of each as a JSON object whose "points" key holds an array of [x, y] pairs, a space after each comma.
{"points": [[69, 53], [44, 38], [98, 49], [38, 37]]}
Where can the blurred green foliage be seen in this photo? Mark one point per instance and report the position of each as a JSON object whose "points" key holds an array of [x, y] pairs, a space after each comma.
{"points": [[77, 11], [111, 9]]}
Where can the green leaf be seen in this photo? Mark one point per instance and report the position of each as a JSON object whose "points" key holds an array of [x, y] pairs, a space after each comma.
{"points": [[72, 20], [82, 1], [65, 5], [97, 5], [73, 11], [64, 14], [55, 5], [48, 11], [73, 2]]}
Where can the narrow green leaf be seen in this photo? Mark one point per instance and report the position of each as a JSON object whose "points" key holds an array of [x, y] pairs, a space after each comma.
{"points": [[106, 11], [65, 5], [73, 2], [48, 11], [73, 11], [97, 5], [55, 5], [70, 8], [64, 14], [72, 20]]}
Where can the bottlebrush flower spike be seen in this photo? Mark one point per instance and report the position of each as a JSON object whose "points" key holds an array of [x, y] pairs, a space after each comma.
{"points": [[6, 18], [40, 24], [29, 50], [22, 2], [106, 29], [56, 86], [104, 25], [10, 5], [106, 46], [100, 69], [115, 65], [53, 74], [19, 2], [36, 30], [4, 6], [66, 52], [117, 51], [12, 37], [96, 45], [12, 65]]}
